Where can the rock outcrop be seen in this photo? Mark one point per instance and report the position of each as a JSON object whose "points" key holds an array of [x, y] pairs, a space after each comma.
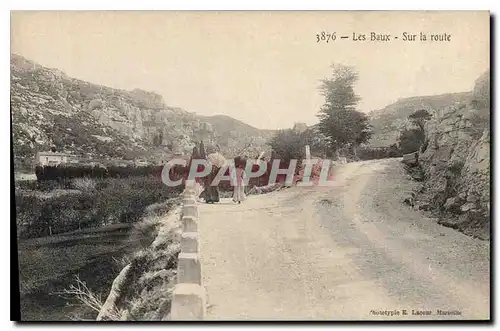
{"points": [[455, 159], [389, 121], [50, 108]]}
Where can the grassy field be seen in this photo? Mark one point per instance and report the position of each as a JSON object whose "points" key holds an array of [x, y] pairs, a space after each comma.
{"points": [[49, 265]]}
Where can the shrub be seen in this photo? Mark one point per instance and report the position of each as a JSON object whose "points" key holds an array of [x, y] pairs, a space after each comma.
{"points": [[289, 144], [112, 201], [26, 184], [456, 167], [367, 153], [49, 185], [95, 104], [410, 140], [84, 184], [159, 208]]}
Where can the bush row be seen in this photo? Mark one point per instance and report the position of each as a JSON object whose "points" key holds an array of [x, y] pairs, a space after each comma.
{"points": [[366, 153], [64, 171]]}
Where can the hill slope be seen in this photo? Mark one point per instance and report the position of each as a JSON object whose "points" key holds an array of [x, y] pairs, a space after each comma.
{"points": [[388, 122], [49, 108]]}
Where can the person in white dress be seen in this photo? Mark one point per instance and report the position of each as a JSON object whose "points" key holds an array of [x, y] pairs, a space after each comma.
{"points": [[239, 188]]}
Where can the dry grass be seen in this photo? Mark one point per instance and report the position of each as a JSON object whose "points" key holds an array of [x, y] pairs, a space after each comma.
{"points": [[84, 184], [146, 230], [153, 303], [123, 261], [86, 297], [151, 223], [160, 208]]}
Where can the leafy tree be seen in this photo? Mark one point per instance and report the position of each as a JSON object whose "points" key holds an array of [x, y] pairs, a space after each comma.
{"points": [[288, 144], [317, 141], [158, 138], [419, 118], [338, 118], [410, 140], [203, 153]]}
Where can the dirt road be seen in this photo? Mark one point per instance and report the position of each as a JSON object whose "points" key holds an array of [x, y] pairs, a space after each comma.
{"points": [[353, 251]]}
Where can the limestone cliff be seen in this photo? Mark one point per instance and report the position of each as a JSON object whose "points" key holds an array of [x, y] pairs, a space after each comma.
{"points": [[455, 159], [50, 108], [389, 121]]}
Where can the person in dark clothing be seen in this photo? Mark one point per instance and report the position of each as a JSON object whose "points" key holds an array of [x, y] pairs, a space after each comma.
{"points": [[211, 192]]}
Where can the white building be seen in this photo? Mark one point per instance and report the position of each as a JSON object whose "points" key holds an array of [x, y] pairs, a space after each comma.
{"points": [[51, 158]]}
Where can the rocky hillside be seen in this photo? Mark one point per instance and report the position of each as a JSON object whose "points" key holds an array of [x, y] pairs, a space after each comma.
{"points": [[455, 160], [51, 109], [388, 122]]}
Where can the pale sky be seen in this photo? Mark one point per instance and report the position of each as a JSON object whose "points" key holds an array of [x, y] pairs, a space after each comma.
{"points": [[259, 67]]}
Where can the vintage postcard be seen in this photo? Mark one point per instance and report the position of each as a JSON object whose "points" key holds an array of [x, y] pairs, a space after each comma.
{"points": [[251, 166]]}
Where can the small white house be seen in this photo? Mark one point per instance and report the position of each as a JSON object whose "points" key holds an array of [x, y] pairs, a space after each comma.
{"points": [[51, 158]]}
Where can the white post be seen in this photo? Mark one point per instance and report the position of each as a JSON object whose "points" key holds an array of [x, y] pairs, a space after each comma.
{"points": [[308, 152]]}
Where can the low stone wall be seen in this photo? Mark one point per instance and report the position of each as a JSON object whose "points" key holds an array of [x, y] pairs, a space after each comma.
{"points": [[189, 297]]}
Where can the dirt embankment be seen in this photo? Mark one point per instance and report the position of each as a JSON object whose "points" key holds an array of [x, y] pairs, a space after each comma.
{"points": [[142, 290]]}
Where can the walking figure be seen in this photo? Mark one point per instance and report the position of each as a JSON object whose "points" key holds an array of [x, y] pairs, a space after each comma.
{"points": [[211, 192], [239, 188]]}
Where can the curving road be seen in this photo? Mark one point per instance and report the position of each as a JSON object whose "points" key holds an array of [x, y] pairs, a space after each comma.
{"points": [[352, 251]]}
